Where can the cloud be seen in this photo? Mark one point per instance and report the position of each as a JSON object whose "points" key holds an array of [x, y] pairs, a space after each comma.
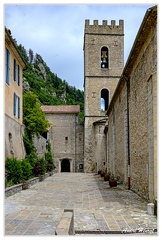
{"points": [[56, 32]]}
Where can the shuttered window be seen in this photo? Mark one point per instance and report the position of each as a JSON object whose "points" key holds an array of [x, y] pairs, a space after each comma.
{"points": [[15, 97], [7, 66], [18, 75], [16, 106], [16, 72]]}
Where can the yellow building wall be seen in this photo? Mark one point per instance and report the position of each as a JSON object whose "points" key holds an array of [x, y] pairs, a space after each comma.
{"points": [[13, 87]]}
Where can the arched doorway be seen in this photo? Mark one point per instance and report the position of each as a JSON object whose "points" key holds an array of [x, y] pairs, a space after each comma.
{"points": [[65, 165]]}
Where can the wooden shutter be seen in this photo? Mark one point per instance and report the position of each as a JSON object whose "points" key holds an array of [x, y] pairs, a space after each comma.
{"points": [[18, 107], [7, 66], [15, 104], [18, 75], [14, 70]]}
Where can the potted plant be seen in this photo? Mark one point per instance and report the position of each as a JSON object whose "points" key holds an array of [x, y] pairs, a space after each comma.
{"points": [[38, 171], [112, 181], [102, 174], [107, 177]]}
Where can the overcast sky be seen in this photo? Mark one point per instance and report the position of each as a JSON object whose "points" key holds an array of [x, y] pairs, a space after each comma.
{"points": [[56, 32]]}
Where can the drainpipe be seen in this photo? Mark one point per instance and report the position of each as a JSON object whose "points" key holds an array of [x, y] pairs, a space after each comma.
{"points": [[128, 137]]}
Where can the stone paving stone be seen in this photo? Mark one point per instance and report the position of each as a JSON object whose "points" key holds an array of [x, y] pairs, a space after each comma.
{"points": [[97, 207]]}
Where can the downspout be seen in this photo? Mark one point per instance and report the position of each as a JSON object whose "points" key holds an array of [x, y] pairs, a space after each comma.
{"points": [[128, 137]]}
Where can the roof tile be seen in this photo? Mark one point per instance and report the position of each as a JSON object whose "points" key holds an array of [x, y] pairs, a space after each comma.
{"points": [[61, 109]]}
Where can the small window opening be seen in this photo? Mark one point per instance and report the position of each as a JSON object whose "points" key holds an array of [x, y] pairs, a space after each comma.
{"points": [[81, 166], [66, 138]]}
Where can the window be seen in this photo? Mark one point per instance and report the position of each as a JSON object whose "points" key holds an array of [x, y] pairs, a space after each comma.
{"points": [[16, 106], [16, 72], [7, 66], [81, 166], [104, 57], [104, 99]]}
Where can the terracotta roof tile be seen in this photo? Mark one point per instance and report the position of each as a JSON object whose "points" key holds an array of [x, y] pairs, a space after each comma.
{"points": [[61, 109]]}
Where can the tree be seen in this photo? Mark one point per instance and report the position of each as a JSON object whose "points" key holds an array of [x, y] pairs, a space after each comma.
{"points": [[33, 116], [31, 56]]}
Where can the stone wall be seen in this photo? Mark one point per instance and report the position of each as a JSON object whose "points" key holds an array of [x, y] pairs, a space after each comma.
{"points": [[132, 130], [100, 147], [14, 145], [40, 145], [117, 137], [140, 113], [66, 138], [79, 159]]}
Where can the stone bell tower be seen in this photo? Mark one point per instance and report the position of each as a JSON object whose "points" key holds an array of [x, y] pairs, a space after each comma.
{"points": [[103, 65]]}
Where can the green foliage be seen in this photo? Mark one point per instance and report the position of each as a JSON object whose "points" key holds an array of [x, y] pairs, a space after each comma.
{"points": [[49, 161], [49, 158], [28, 143], [33, 116], [39, 167], [26, 169], [6, 183], [14, 170], [46, 89], [32, 158]]}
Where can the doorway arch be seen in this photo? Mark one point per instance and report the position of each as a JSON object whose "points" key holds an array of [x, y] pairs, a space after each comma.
{"points": [[65, 165]]}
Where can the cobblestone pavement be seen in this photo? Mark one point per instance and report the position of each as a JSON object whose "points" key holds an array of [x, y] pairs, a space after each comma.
{"points": [[97, 207]]}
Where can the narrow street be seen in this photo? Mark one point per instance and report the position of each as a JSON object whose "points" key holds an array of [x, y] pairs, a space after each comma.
{"points": [[97, 207]]}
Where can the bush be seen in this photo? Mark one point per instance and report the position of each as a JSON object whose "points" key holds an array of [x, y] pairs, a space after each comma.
{"points": [[39, 167], [32, 159], [13, 168], [49, 158], [28, 143], [43, 164], [26, 169], [49, 161]]}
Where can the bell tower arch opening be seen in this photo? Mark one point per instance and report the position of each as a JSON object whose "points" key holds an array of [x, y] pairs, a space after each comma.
{"points": [[104, 57], [104, 99]]}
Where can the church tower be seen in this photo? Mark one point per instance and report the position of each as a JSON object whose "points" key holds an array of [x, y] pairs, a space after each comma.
{"points": [[103, 65]]}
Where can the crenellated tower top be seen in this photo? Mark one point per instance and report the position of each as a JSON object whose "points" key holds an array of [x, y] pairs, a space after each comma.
{"points": [[104, 28]]}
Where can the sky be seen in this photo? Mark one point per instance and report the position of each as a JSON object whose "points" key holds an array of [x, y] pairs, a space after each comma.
{"points": [[56, 31]]}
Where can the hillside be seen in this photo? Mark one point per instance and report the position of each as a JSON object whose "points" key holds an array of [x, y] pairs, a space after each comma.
{"points": [[50, 89]]}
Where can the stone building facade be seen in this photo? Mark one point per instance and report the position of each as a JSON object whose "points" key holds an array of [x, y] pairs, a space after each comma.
{"points": [[66, 137], [132, 115], [103, 65], [120, 128], [14, 128]]}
